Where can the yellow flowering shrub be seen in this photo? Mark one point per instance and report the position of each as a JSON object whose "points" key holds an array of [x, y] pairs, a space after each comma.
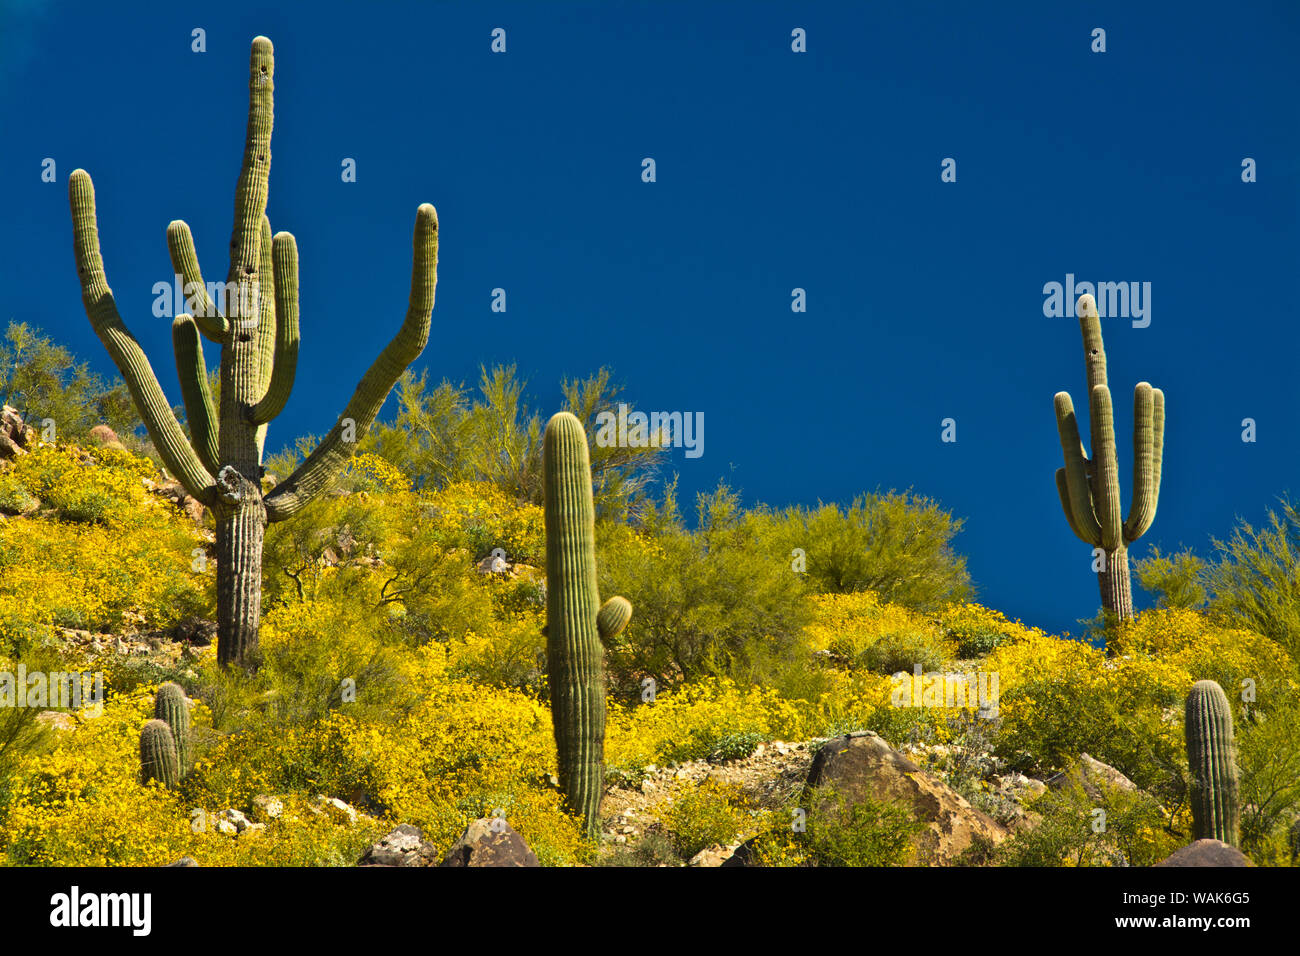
{"points": [[480, 517], [82, 805], [136, 556], [1202, 650], [690, 722]]}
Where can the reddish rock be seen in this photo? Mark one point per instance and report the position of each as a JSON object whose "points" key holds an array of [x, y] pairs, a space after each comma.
{"points": [[490, 842]]}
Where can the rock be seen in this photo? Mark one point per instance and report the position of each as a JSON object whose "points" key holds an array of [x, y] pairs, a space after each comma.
{"points": [[490, 842], [57, 719], [335, 809], [15, 436], [715, 855], [194, 631], [226, 827], [493, 564], [742, 856], [267, 808], [235, 819], [404, 846], [1091, 774], [174, 490], [1207, 853], [185, 861], [862, 765]]}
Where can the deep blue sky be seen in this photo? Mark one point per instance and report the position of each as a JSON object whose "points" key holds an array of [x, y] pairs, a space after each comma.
{"points": [[775, 170]]}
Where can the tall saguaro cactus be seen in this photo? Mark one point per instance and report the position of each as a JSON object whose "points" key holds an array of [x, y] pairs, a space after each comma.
{"points": [[577, 625], [253, 317], [1212, 760], [1089, 487]]}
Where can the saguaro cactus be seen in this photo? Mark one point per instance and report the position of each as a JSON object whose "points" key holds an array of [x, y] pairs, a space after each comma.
{"points": [[158, 760], [577, 625], [1089, 487], [171, 707], [253, 317], [1212, 759]]}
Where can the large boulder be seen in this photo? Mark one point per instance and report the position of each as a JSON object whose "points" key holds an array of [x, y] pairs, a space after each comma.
{"points": [[15, 436], [490, 842], [1207, 853], [404, 846], [862, 766]]}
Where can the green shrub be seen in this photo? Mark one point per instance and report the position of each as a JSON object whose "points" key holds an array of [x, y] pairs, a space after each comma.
{"points": [[1268, 755], [898, 545], [1114, 828], [869, 833], [1255, 579], [711, 814], [902, 651], [715, 601]]}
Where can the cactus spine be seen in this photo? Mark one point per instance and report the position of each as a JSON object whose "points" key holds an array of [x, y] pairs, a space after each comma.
{"points": [[1212, 759], [171, 707], [158, 760], [1089, 487], [255, 323], [576, 624]]}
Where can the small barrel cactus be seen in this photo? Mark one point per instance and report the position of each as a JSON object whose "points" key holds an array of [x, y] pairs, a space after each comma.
{"points": [[1212, 759], [171, 707], [158, 754]]}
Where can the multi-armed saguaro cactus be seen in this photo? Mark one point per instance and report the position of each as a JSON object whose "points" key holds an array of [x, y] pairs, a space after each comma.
{"points": [[576, 623], [253, 316], [1212, 759], [1089, 487], [171, 707], [158, 760]]}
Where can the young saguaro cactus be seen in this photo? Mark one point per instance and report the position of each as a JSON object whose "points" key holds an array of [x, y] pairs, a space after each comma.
{"points": [[158, 760], [577, 625], [253, 317], [1089, 487], [1212, 759], [171, 707]]}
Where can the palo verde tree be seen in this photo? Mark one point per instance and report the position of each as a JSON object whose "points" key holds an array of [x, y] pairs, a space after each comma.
{"points": [[1089, 487], [253, 317]]}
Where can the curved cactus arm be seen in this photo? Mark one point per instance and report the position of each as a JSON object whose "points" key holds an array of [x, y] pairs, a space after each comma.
{"points": [[193, 375], [208, 317], [284, 363], [1094, 353], [165, 431], [323, 465], [1106, 478], [1157, 437], [1063, 489], [1142, 510], [1082, 515], [612, 617]]}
